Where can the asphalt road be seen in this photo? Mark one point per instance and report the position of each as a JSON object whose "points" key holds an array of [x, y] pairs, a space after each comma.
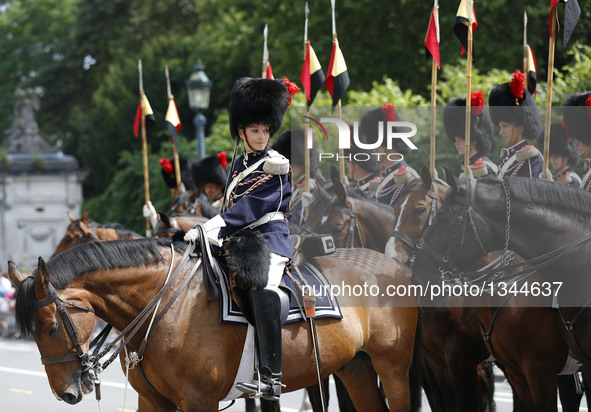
{"points": [[24, 388]]}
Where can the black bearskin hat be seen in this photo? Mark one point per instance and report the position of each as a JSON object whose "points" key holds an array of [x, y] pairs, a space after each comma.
{"points": [[363, 157], [454, 119], [512, 103], [168, 173], [210, 169], [560, 143], [294, 149], [369, 127], [577, 116], [258, 100]]}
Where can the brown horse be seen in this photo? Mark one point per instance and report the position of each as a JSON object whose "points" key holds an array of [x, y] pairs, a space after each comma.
{"points": [[190, 359], [525, 341], [85, 230], [356, 221]]}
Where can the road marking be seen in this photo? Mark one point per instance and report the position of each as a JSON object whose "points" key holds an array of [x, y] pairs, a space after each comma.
{"points": [[26, 392]]}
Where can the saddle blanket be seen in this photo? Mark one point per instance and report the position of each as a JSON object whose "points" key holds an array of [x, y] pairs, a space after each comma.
{"points": [[325, 305]]}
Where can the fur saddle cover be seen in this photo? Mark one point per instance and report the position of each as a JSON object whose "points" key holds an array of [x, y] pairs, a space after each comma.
{"points": [[247, 256]]}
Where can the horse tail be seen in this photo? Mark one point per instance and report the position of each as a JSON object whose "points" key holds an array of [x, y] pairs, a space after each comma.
{"points": [[414, 374]]}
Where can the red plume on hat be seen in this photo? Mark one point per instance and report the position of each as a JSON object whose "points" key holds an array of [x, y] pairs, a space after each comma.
{"points": [[588, 104], [166, 165], [517, 85], [477, 102], [389, 112], [292, 89], [223, 159]]}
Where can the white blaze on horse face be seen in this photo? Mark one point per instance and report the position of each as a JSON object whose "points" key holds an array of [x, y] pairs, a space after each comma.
{"points": [[391, 249]]}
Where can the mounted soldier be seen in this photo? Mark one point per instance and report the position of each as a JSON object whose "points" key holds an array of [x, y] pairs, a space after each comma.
{"points": [[514, 110], [577, 120], [454, 116], [396, 170], [258, 198], [563, 155], [209, 174], [292, 146]]}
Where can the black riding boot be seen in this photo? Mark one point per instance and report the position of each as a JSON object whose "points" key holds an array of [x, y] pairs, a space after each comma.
{"points": [[266, 307]]}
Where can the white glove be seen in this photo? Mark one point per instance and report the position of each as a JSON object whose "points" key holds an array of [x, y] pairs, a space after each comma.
{"points": [[546, 175], [150, 212], [307, 199], [212, 229]]}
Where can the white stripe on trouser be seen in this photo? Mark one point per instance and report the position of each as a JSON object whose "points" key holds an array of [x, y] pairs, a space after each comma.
{"points": [[276, 269]]}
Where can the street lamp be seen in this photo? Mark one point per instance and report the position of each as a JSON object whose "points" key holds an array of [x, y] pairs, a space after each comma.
{"points": [[198, 90]]}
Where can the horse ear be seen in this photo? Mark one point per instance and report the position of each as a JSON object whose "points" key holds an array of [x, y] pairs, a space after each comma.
{"points": [[42, 277], [87, 232], [195, 195], [16, 277], [72, 218], [334, 173], [84, 217], [450, 179], [426, 176], [339, 190], [164, 219]]}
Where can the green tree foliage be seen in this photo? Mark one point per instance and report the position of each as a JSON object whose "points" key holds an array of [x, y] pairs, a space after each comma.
{"points": [[80, 58]]}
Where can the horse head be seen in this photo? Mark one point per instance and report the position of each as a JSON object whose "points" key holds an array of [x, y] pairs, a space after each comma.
{"points": [[78, 231], [169, 225], [187, 202], [415, 207], [61, 328], [453, 240]]}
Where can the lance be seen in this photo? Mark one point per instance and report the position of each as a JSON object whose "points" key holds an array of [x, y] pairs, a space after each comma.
{"points": [[467, 170], [306, 128], [434, 95], [339, 111], [265, 52], [144, 147], [547, 120], [525, 50], [175, 154]]}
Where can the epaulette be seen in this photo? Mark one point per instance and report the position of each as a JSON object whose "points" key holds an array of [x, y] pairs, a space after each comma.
{"points": [[402, 175], [276, 163], [479, 168], [565, 179], [527, 152]]}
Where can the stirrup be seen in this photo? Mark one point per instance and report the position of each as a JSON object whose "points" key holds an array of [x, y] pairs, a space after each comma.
{"points": [[268, 389]]}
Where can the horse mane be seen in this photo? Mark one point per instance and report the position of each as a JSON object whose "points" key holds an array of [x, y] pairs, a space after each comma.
{"points": [[83, 258], [550, 194], [358, 194]]}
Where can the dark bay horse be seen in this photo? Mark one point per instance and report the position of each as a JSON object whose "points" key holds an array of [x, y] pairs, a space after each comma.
{"points": [[527, 341], [85, 230], [190, 358]]}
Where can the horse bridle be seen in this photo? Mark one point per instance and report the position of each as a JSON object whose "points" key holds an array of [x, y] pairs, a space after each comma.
{"points": [[416, 246], [354, 230], [447, 269], [53, 296]]}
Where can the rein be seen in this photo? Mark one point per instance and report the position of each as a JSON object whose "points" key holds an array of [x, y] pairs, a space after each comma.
{"points": [[353, 225], [450, 272], [92, 361]]}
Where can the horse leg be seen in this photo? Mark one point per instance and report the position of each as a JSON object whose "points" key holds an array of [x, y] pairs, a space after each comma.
{"points": [[270, 406], [486, 386], [569, 398], [345, 402], [361, 381], [314, 395]]}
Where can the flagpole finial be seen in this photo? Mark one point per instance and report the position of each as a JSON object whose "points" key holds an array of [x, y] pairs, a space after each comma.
{"points": [[168, 89], [307, 11], [139, 69]]}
